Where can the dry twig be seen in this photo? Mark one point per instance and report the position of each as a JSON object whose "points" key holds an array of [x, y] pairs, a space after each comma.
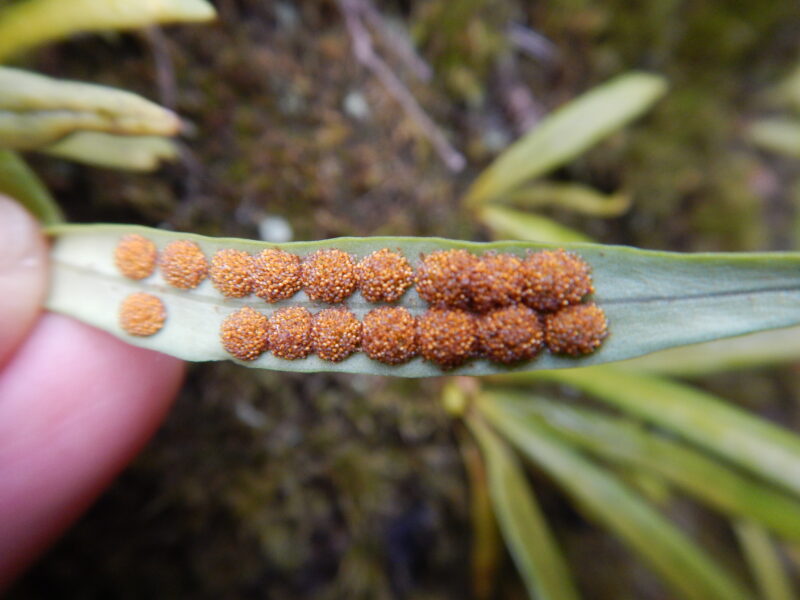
{"points": [[355, 12]]}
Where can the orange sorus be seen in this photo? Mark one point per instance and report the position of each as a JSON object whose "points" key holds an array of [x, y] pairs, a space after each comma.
{"points": [[135, 256], [183, 264], [496, 282], [447, 337], [384, 276], [444, 278], [142, 314], [289, 333], [389, 335], [511, 334], [554, 279], [244, 334], [230, 273], [576, 330], [329, 275], [335, 334], [275, 274]]}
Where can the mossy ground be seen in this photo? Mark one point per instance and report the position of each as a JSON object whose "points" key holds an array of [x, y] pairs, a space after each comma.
{"points": [[274, 485]]}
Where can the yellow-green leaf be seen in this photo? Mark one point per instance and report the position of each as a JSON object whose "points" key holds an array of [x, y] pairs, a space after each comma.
{"points": [[773, 581], [570, 196], [765, 450], [132, 153], [33, 22], [486, 546], [779, 135], [567, 133], [509, 224], [524, 528], [688, 570], [747, 351], [36, 111], [628, 444], [19, 182]]}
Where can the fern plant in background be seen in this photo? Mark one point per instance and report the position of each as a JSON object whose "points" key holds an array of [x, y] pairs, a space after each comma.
{"points": [[619, 464], [87, 123]]}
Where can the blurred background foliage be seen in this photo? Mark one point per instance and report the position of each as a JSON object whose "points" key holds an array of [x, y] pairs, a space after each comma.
{"points": [[277, 485]]}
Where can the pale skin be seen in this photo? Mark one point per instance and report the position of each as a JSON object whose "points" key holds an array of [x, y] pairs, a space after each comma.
{"points": [[76, 404]]}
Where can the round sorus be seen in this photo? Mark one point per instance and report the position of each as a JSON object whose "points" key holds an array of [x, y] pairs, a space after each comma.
{"points": [[335, 334], [230, 273], [447, 337], [444, 278], [135, 256], [554, 279], [511, 334], [142, 314], [384, 276], [389, 335], [275, 274], [576, 330], [496, 282], [244, 334], [329, 275], [183, 264], [289, 333]]}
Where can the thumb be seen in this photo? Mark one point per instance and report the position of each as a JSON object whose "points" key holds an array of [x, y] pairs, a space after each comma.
{"points": [[23, 274]]}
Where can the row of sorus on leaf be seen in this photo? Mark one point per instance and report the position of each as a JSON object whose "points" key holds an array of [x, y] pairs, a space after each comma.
{"points": [[328, 275], [545, 280], [392, 335]]}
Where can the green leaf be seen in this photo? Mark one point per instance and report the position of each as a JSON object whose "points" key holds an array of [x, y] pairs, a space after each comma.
{"points": [[521, 521], [765, 563], [134, 153], [765, 450], [510, 224], [19, 182], [684, 566], [486, 549], [629, 444], [570, 196], [36, 111], [777, 135], [653, 300], [747, 351], [567, 133], [788, 91], [33, 22]]}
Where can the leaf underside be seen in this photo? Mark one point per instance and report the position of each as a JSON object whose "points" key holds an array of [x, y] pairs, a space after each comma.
{"points": [[653, 300]]}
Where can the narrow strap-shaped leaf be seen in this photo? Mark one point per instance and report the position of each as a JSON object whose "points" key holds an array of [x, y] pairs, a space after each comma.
{"points": [[132, 153], [509, 223], [33, 22], [765, 563], [754, 444], [18, 181], [653, 300], [684, 566], [522, 523], [779, 135], [570, 196], [628, 444], [486, 546], [567, 133], [747, 351], [36, 111]]}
